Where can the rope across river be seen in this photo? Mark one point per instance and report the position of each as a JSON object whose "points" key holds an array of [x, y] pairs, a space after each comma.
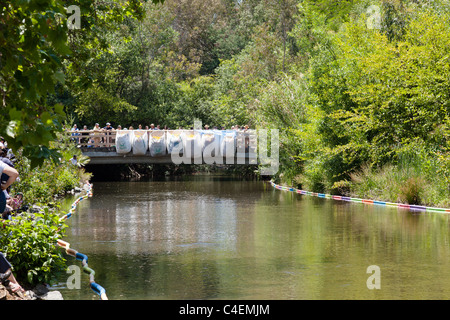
{"points": [[98, 289], [358, 200]]}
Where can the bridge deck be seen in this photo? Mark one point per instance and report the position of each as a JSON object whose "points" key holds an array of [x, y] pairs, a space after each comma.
{"points": [[109, 155]]}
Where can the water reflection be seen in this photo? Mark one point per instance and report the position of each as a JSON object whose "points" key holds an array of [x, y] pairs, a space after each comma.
{"points": [[222, 239]]}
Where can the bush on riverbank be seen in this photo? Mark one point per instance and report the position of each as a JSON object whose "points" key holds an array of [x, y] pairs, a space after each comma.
{"points": [[40, 185], [30, 244], [416, 178]]}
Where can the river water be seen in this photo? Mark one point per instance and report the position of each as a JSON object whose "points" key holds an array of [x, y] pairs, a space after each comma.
{"points": [[206, 237]]}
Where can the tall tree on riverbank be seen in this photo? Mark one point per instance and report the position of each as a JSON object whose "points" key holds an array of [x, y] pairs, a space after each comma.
{"points": [[34, 43], [377, 98]]}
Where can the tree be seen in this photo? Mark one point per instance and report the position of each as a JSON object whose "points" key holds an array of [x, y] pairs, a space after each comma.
{"points": [[34, 43]]}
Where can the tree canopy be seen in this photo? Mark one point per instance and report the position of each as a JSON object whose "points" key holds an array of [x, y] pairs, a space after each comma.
{"points": [[350, 84], [36, 50]]}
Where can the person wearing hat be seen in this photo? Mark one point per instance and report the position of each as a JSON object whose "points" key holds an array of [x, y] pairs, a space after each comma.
{"points": [[108, 130], [96, 133]]}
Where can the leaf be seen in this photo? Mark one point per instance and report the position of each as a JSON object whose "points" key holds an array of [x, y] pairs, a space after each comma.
{"points": [[11, 129], [59, 76], [46, 118], [15, 114], [30, 276], [59, 109]]}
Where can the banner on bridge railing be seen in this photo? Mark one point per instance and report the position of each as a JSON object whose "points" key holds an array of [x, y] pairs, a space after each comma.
{"points": [[250, 147]]}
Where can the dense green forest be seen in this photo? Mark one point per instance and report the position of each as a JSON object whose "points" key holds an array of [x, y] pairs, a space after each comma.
{"points": [[358, 89]]}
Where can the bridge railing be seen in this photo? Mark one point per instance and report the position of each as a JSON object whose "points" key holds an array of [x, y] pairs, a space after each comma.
{"points": [[244, 141], [93, 138]]}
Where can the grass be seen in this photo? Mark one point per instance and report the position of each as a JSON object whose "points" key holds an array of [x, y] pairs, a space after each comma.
{"points": [[413, 180]]}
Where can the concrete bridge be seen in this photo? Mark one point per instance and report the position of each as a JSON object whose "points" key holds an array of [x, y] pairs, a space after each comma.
{"points": [[168, 146]]}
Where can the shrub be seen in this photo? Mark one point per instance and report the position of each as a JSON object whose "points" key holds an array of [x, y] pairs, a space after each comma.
{"points": [[416, 177], [410, 191], [30, 244]]}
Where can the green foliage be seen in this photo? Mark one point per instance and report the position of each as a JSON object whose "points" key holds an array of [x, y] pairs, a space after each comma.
{"points": [[30, 239], [380, 94], [37, 51], [30, 244], [344, 95], [53, 178], [32, 46], [412, 179], [370, 116], [97, 105]]}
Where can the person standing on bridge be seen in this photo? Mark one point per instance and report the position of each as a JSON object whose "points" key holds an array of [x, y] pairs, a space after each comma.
{"points": [[75, 134], [96, 133], [85, 137], [108, 138]]}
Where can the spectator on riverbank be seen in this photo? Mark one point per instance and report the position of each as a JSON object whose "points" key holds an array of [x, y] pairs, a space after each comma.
{"points": [[74, 160], [4, 176], [12, 175], [13, 204], [5, 152], [5, 269], [16, 202]]}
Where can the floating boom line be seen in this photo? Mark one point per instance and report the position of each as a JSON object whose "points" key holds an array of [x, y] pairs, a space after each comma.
{"points": [[98, 289], [358, 200]]}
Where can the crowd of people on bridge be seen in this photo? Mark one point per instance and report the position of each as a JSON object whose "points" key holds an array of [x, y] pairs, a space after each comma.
{"points": [[99, 136]]}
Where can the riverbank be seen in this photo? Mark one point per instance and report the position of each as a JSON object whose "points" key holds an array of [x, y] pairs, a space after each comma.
{"points": [[39, 292], [412, 207], [418, 176], [29, 240]]}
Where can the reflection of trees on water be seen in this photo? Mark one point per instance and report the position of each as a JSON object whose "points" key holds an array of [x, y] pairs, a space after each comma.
{"points": [[219, 239]]}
